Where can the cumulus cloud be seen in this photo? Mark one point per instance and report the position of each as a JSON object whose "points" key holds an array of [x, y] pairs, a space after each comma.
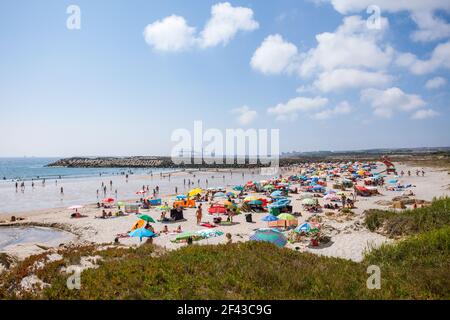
{"points": [[290, 109], [386, 102], [274, 56], [440, 58], [339, 79], [352, 45], [430, 27], [170, 34], [245, 115], [350, 57], [225, 22], [173, 33], [435, 83], [424, 114], [342, 108]]}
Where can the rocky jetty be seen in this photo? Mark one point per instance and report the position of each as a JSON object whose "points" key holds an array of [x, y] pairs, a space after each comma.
{"points": [[142, 162]]}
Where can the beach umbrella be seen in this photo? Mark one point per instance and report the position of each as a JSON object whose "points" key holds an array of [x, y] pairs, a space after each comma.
{"points": [[108, 200], [238, 188], [231, 194], [276, 194], [393, 181], [255, 202], [269, 218], [146, 218], [141, 233], [141, 192], [268, 187], [163, 208], [269, 235], [195, 192], [219, 195], [120, 203], [309, 201], [181, 196], [251, 198], [286, 216]]}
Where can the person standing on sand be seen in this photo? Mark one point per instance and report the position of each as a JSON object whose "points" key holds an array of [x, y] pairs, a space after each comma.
{"points": [[62, 191], [199, 214]]}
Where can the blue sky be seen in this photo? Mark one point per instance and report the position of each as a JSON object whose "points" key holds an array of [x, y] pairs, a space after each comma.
{"points": [[136, 71]]}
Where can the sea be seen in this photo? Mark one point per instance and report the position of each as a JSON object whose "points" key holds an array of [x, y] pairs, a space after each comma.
{"points": [[55, 187]]}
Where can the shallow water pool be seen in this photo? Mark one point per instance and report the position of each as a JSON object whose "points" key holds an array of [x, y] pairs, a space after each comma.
{"points": [[33, 235]]}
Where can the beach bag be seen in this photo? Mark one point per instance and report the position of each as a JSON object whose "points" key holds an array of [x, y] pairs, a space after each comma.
{"points": [[248, 217]]}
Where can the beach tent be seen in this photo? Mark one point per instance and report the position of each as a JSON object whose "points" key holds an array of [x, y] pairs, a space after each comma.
{"points": [[132, 208], [269, 235], [139, 224]]}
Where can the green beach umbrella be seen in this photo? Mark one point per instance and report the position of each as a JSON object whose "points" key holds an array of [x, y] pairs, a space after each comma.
{"points": [[146, 218], [286, 216]]}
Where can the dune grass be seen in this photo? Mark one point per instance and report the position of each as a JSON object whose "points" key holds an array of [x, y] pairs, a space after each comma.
{"points": [[416, 267], [409, 222]]}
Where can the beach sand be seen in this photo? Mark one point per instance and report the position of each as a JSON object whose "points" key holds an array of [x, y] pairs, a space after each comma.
{"points": [[349, 238]]}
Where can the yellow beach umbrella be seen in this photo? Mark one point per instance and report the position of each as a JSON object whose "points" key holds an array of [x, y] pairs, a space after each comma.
{"points": [[195, 192]]}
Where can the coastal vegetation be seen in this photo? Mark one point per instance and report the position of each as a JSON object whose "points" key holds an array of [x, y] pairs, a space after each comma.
{"points": [[415, 267]]}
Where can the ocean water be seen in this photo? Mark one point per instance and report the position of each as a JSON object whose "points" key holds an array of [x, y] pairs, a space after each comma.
{"points": [[80, 185], [35, 168]]}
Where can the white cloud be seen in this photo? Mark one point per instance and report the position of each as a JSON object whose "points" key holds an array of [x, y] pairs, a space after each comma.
{"points": [[225, 22], [174, 34], [274, 56], [440, 58], [435, 83], [386, 102], [339, 79], [430, 28], [170, 34], [424, 114], [342, 108], [245, 115], [350, 57], [348, 6], [352, 45], [289, 110]]}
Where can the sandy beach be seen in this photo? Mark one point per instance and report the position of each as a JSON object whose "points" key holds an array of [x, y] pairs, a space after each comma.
{"points": [[349, 238]]}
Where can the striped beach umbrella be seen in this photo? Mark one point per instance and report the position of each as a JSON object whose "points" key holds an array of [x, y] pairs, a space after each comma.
{"points": [[269, 235]]}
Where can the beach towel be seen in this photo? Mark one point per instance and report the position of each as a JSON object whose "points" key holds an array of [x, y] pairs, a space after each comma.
{"points": [[208, 225]]}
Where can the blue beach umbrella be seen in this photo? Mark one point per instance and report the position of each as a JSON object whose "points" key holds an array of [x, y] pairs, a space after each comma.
{"points": [[269, 218], [141, 233], [181, 196]]}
